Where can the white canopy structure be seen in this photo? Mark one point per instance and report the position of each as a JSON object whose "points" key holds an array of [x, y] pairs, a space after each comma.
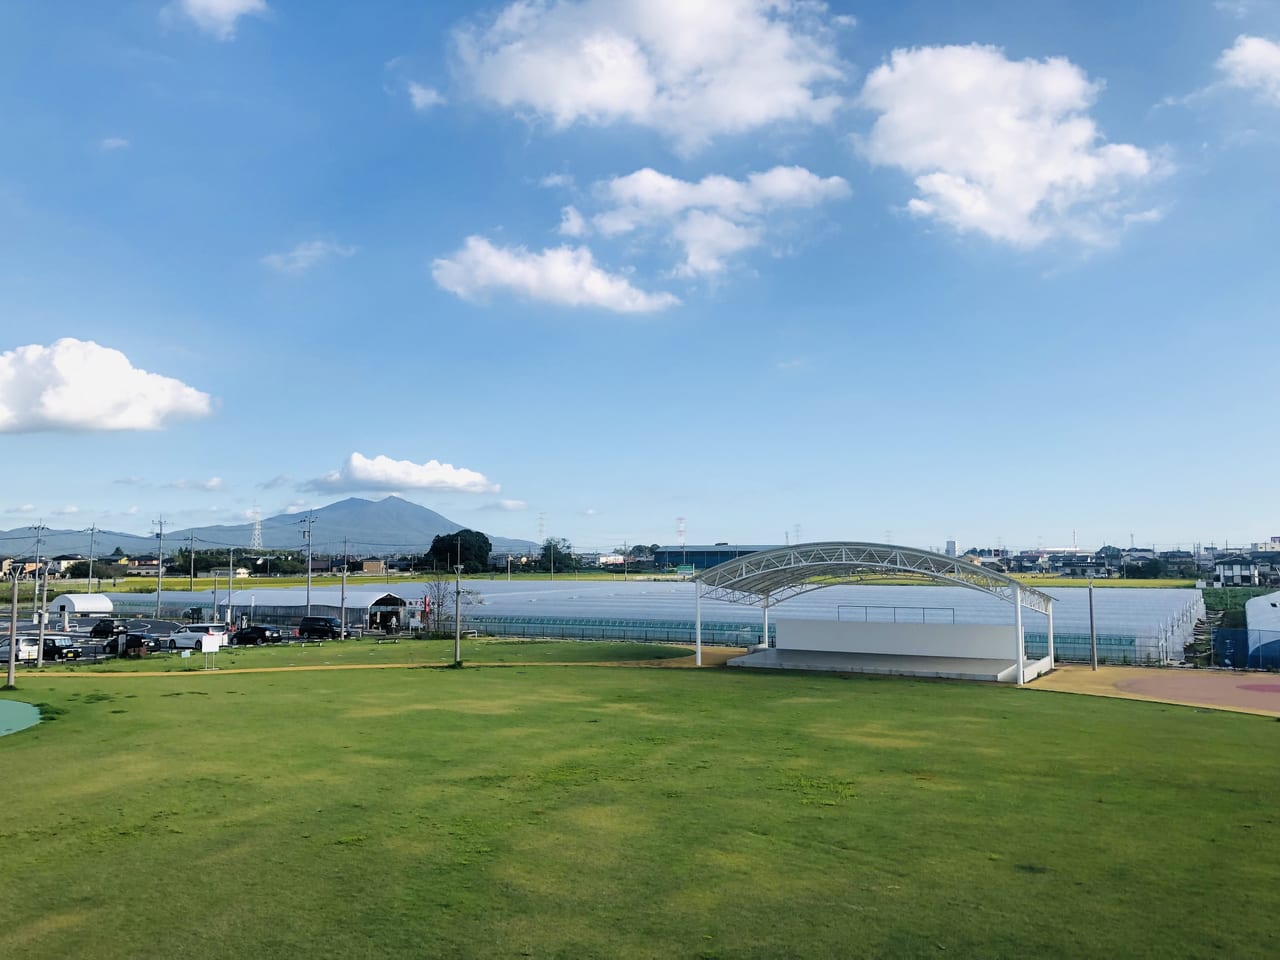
{"points": [[82, 604], [770, 576]]}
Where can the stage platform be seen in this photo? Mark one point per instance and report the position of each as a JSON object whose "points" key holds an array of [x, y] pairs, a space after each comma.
{"points": [[902, 665]]}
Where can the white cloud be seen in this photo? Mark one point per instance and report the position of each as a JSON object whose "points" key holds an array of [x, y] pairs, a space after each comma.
{"points": [[714, 217], [279, 480], [691, 71], [1253, 63], [113, 143], [1005, 148], [79, 385], [296, 506], [563, 275], [306, 255], [424, 98], [132, 511], [24, 508], [571, 223], [508, 506], [70, 510], [383, 473], [556, 180], [212, 484], [218, 17]]}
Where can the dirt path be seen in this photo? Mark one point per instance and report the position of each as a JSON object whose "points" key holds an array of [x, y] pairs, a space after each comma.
{"points": [[1257, 693]]}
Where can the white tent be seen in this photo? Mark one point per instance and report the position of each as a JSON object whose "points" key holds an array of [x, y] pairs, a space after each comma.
{"points": [[82, 604]]}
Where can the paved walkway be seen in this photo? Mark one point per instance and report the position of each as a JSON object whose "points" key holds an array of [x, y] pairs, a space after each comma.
{"points": [[1219, 689]]}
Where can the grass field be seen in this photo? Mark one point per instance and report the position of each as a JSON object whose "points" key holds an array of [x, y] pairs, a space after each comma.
{"points": [[370, 652], [585, 812]]}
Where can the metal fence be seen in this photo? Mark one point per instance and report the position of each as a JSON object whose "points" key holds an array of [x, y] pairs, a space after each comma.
{"points": [[1246, 649]]}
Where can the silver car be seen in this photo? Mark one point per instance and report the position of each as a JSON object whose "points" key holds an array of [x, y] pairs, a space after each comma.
{"points": [[191, 637]]}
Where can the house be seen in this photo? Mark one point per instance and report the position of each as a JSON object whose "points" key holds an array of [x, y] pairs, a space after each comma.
{"points": [[1236, 570]]}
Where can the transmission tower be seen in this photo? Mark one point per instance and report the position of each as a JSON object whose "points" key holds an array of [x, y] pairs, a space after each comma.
{"points": [[255, 542]]}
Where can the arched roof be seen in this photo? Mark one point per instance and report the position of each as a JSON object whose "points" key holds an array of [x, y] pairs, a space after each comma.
{"points": [[788, 571]]}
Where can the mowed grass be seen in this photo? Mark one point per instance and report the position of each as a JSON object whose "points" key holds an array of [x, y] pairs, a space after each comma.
{"points": [[585, 812], [371, 652]]}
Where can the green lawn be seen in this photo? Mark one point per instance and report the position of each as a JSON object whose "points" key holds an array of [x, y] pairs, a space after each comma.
{"points": [[371, 651], [583, 812]]}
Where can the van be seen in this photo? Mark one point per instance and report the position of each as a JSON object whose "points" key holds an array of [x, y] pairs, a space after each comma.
{"points": [[320, 628]]}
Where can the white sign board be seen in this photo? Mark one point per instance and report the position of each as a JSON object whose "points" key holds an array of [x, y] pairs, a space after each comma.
{"points": [[210, 644]]}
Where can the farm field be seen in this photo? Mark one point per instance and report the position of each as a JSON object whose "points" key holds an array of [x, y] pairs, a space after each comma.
{"points": [[580, 812]]}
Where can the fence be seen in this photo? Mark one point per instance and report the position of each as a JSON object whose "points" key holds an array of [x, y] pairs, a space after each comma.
{"points": [[1248, 649]]}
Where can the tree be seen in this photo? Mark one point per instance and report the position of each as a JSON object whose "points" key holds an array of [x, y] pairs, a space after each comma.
{"points": [[440, 592], [77, 571], [557, 554], [471, 548]]}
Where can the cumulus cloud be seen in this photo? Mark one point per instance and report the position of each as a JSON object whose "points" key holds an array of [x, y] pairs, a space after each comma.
{"points": [[1001, 147], [218, 17], [714, 217], [691, 71], [571, 223], [424, 98], [306, 255], [70, 510], [1253, 63], [279, 480], [81, 386], [383, 473], [23, 508], [113, 143], [563, 275]]}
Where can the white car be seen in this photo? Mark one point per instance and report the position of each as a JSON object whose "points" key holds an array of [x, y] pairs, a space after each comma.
{"points": [[191, 637]]}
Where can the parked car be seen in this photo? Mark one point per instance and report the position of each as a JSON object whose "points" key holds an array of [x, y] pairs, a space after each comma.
{"points": [[255, 636], [190, 638], [108, 627], [320, 628]]}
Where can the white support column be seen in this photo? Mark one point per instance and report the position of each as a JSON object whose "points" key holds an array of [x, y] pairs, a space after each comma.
{"points": [[764, 638], [1017, 630], [697, 621], [1050, 614]]}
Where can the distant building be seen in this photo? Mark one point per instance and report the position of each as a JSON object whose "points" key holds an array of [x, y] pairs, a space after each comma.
{"points": [[701, 557], [1236, 571], [950, 550]]}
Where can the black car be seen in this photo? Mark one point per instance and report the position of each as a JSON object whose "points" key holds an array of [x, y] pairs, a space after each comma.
{"points": [[319, 628], [108, 627], [255, 636]]}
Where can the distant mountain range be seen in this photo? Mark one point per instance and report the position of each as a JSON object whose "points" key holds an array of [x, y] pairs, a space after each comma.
{"points": [[390, 525]]}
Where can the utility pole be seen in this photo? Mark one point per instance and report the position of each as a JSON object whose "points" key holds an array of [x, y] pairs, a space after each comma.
{"points": [[160, 566], [44, 614], [307, 536], [1093, 633], [624, 561], [191, 577], [39, 528], [231, 573], [457, 611], [13, 633], [342, 629], [88, 587]]}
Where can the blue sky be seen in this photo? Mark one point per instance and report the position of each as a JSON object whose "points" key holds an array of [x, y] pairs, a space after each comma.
{"points": [[905, 269]]}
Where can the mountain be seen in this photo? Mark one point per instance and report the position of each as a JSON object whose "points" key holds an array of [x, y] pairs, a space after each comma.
{"points": [[390, 525]]}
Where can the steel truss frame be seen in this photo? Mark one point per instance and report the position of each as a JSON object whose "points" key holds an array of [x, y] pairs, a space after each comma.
{"points": [[771, 576]]}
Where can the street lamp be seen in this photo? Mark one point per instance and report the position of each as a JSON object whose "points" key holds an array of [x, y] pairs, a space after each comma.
{"points": [[457, 619]]}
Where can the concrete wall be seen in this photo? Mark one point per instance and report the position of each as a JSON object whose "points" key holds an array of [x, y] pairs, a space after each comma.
{"points": [[982, 641]]}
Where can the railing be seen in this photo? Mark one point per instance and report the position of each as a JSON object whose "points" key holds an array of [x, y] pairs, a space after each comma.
{"points": [[942, 614]]}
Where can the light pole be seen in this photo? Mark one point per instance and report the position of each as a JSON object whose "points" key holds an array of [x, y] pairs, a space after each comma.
{"points": [[457, 619], [508, 568], [215, 596], [13, 633]]}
